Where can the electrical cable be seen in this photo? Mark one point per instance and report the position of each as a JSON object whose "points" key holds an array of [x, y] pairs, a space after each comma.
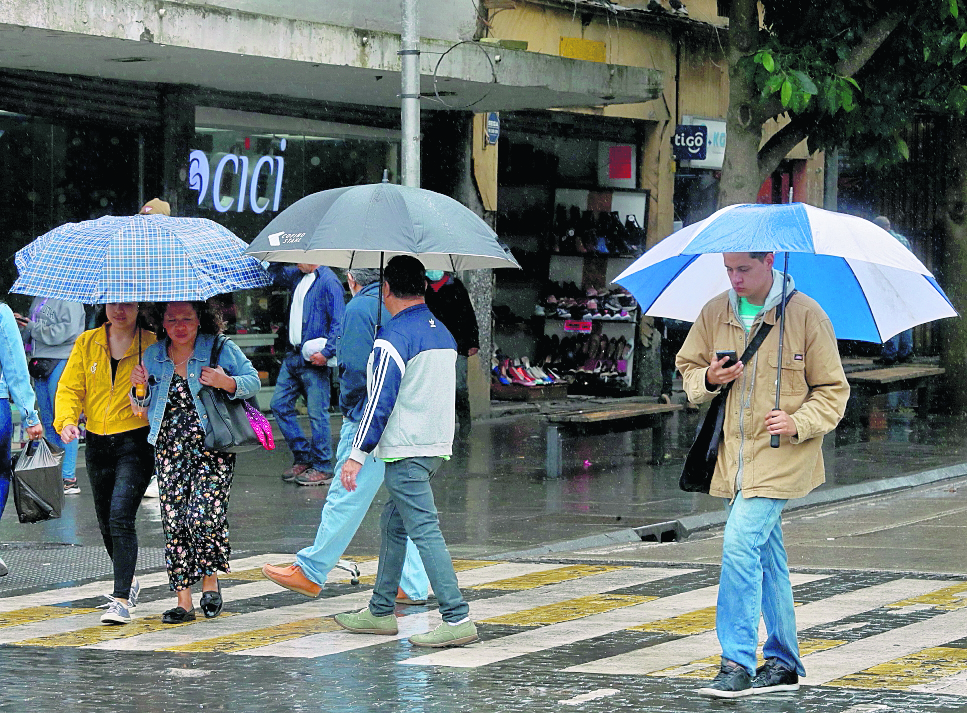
{"points": [[436, 69]]}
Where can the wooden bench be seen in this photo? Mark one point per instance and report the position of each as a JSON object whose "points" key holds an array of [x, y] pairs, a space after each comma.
{"points": [[905, 377], [650, 415]]}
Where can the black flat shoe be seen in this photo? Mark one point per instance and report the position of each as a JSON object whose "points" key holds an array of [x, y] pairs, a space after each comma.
{"points": [[211, 603], [178, 615]]}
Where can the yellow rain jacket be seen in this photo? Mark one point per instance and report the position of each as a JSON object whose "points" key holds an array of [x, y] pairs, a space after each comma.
{"points": [[86, 385]]}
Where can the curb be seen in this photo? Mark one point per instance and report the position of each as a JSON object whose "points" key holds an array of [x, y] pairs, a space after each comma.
{"points": [[684, 527]]}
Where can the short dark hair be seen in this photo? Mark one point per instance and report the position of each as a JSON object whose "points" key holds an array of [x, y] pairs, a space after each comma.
{"points": [[759, 256], [209, 318], [405, 276]]}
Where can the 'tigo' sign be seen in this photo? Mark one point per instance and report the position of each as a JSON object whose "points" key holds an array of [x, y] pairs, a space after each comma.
{"points": [[689, 142]]}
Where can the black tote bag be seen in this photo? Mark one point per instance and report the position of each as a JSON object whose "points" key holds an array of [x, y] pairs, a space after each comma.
{"points": [[229, 427]]}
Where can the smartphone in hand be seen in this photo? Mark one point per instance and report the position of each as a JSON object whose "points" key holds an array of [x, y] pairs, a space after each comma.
{"points": [[729, 354]]}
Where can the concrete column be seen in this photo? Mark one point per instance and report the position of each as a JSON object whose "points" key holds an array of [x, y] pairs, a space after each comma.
{"points": [[178, 116]]}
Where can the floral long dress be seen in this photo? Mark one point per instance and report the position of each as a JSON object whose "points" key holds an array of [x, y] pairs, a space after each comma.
{"points": [[194, 485]]}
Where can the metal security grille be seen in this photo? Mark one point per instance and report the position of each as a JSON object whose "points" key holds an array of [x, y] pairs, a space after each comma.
{"points": [[129, 104]]}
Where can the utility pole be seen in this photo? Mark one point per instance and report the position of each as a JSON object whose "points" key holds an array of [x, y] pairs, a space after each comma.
{"points": [[410, 96]]}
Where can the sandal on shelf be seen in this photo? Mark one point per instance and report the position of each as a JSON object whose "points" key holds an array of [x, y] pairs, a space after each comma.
{"points": [[178, 615], [211, 603]]}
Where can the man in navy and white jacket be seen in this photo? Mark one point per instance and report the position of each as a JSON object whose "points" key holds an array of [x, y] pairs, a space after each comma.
{"points": [[408, 422]]}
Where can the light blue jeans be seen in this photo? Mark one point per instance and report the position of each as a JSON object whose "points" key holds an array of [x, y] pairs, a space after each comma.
{"points": [[755, 581], [342, 515], [46, 389], [411, 511]]}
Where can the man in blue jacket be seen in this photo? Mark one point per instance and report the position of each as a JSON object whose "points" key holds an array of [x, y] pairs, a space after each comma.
{"points": [[408, 422], [315, 321], [344, 510]]}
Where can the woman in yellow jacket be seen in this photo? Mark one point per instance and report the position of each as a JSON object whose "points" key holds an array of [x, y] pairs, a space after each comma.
{"points": [[120, 461]]}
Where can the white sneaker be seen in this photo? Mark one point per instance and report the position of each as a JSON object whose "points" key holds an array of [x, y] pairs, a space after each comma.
{"points": [[152, 491], [117, 613], [133, 594]]}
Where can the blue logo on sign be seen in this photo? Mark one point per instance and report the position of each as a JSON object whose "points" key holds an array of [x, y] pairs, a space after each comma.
{"points": [[493, 127], [690, 142]]}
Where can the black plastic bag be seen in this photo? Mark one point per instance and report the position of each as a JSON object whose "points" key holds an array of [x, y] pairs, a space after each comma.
{"points": [[38, 483]]}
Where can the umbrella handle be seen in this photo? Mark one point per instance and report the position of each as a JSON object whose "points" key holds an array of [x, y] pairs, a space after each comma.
{"points": [[774, 440], [139, 389]]}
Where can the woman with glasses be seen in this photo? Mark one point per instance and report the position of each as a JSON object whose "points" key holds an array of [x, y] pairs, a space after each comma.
{"points": [[193, 482], [96, 382]]}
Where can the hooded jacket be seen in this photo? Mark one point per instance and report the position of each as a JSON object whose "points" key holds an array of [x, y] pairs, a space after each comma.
{"points": [[814, 392]]}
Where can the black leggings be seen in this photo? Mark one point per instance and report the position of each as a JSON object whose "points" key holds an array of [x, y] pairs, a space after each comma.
{"points": [[119, 467]]}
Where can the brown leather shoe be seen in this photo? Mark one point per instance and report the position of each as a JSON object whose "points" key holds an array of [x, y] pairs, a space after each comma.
{"points": [[314, 477], [291, 577], [294, 472], [403, 598]]}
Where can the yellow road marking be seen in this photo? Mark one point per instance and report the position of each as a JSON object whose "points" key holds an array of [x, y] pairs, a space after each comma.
{"points": [[458, 566], [693, 622], [550, 576], [569, 610], [245, 575], [105, 632], [905, 672], [946, 599], [31, 615], [260, 637]]}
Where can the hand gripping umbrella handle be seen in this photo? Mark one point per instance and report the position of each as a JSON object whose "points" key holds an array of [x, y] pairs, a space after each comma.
{"points": [[139, 389]]}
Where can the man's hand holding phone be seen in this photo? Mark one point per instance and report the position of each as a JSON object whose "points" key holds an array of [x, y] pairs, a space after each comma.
{"points": [[724, 368]]}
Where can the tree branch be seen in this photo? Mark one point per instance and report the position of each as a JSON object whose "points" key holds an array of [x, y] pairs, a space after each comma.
{"points": [[780, 144]]}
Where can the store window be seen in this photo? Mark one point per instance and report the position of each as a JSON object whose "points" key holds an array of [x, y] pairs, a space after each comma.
{"points": [[245, 167], [53, 173]]}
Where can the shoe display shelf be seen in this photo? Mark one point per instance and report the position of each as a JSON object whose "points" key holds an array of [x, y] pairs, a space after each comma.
{"points": [[560, 316]]}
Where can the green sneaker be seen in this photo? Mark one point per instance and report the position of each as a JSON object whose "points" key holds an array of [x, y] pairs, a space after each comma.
{"points": [[364, 622], [447, 635]]}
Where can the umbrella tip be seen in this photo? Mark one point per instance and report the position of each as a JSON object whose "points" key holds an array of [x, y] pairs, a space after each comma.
{"points": [[385, 175]]}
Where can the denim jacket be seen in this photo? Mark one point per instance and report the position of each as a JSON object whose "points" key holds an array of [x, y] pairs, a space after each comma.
{"points": [[161, 371], [14, 379]]}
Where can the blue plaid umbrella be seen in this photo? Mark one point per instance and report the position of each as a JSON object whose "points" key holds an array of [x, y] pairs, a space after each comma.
{"points": [[139, 258]]}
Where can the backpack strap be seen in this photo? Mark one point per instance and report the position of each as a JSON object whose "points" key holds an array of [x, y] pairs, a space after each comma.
{"points": [[757, 340]]}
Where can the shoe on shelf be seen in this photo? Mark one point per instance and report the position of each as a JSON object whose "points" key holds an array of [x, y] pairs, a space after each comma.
{"points": [[403, 598], [178, 615], [71, 487], [291, 577], [447, 635], [311, 477], [732, 681], [772, 676], [152, 490], [295, 471], [117, 613], [365, 622]]}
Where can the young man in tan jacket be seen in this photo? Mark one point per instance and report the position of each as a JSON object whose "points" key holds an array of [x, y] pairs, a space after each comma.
{"points": [[755, 479]]}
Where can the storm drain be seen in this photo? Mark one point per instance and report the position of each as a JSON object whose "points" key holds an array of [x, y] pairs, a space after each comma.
{"points": [[43, 565], [671, 531]]}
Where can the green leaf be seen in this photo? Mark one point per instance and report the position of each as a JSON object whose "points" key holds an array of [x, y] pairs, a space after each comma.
{"points": [[853, 82], [768, 63], [963, 40], [785, 94], [902, 147], [805, 83], [954, 9]]}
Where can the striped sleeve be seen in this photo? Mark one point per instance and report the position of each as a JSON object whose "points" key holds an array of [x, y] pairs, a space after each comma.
{"points": [[386, 368]]}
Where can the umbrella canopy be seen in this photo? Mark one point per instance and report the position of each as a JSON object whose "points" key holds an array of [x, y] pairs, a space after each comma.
{"points": [[138, 258], [364, 226], [869, 284]]}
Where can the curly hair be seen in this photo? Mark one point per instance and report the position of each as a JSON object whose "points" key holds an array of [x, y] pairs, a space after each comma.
{"points": [[209, 318]]}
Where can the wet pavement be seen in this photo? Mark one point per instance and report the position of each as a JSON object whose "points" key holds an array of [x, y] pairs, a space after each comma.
{"points": [[626, 627]]}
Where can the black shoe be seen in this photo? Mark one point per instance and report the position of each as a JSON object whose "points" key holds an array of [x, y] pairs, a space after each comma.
{"points": [[732, 681], [211, 603], [773, 676], [178, 615]]}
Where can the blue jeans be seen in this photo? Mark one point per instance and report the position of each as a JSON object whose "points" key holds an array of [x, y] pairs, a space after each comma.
{"points": [[899, 346], [298, 377], [119, 467], [342, 515], [411, 511], [6, 434], [45, 390], [754, 582]]}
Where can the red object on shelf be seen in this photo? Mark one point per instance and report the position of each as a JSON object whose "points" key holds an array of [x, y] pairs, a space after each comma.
{"points": [[577, 325]]}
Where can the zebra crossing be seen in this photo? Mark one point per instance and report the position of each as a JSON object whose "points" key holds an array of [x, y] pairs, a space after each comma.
{"points": [[858, 630]]}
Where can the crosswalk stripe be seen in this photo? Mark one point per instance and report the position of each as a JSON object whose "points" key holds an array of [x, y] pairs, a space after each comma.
{"points": [[838, 666], [260, 637], [541, 579], [706, 668], [102, 633], [241, 625], [327, 644], [567, 611], [32, 615], [681, 652]]}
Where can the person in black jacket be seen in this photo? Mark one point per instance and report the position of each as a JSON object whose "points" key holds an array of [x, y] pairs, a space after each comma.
{"points": [[449, 301]]}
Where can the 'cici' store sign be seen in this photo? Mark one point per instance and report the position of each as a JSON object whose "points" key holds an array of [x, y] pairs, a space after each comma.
{"points": [[237, 182]]}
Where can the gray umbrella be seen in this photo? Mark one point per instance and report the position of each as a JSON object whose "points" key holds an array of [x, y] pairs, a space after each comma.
{"points": [[364, 226]]}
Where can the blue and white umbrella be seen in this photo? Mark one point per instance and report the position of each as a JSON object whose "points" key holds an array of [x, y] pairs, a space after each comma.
{"points": [[869, 284], [139, 258]]}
